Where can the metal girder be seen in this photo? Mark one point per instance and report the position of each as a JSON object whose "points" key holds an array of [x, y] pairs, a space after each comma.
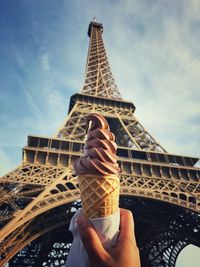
{"points": [[32, 230]]}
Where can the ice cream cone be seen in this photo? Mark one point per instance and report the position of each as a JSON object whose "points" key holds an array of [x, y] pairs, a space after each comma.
{"points": [[98, 170], [99, 194]]}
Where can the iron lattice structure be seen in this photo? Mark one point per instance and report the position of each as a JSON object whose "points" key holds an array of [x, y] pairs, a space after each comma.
{"points": [[39, 197]]}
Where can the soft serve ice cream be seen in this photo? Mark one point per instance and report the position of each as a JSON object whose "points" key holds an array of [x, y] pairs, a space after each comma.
{"points": [[98, 169], [100, 149]]}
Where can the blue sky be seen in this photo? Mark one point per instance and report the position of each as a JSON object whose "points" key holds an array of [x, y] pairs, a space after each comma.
{"points": [[153, 49]]}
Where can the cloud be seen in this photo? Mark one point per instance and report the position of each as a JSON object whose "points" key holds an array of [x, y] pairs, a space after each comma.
{"points": [[44, 61]]}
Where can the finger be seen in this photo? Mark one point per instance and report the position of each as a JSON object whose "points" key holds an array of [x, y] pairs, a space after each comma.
{"points": [[126, 227], [91, 241]]}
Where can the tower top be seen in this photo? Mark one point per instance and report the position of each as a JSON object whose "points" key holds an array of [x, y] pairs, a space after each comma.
{"points": [[94, 24], [99, 80]]}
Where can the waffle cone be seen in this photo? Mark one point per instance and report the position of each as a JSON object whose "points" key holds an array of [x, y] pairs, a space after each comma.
{"points": [[99, 194]]}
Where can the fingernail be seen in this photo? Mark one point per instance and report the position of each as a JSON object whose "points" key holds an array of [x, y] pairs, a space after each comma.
{"points": [[82, 222]]}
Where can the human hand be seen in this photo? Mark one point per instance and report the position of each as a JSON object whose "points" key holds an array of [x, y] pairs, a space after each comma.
{"points": [[124, 253]]}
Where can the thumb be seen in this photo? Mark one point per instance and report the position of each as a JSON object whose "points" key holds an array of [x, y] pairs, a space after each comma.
{"points": [[95, 250]]}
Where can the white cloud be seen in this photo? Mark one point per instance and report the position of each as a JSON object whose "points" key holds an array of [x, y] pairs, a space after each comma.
{"points": [[44, 61], [54, 98]]}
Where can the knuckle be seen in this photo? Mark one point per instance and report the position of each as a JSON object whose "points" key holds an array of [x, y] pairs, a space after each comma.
{"points": [[128, 213], [124, 212], [136, 250]]}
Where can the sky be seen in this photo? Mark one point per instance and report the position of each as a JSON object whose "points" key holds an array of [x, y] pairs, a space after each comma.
{"points": [[153, 50]]}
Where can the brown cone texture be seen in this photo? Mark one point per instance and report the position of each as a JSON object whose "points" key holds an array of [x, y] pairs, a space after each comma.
{"points": [[99, 194]]}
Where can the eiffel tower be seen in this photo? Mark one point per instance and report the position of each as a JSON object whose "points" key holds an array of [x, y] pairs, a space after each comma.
{"points": [[39, 197]]}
